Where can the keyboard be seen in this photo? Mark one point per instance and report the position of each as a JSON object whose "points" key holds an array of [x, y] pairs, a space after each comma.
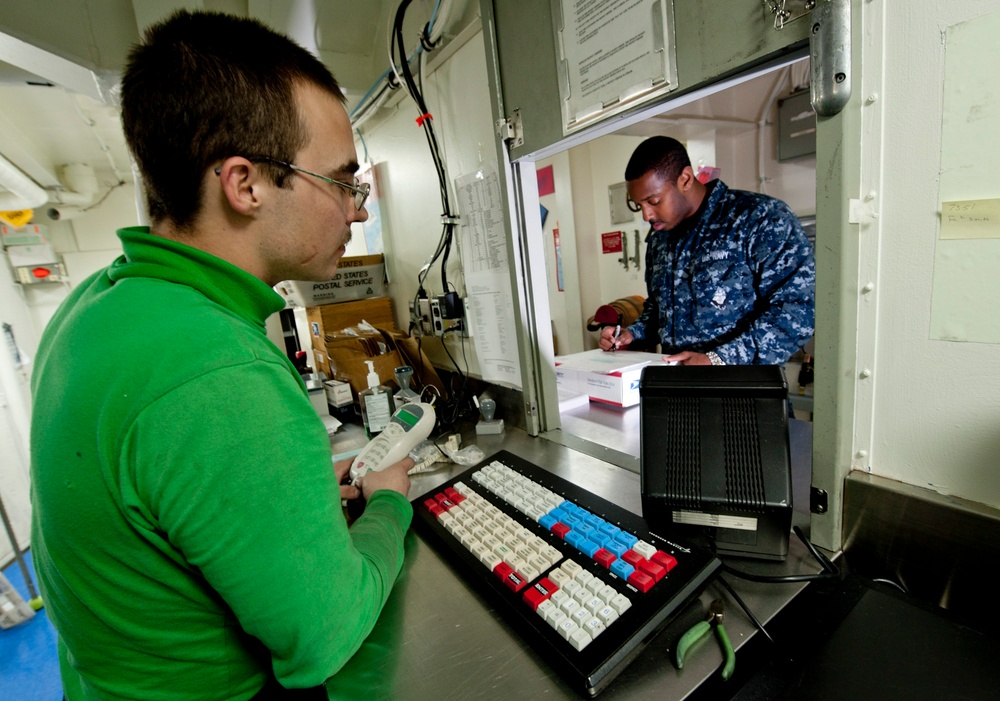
{"points": [[581, 579]]}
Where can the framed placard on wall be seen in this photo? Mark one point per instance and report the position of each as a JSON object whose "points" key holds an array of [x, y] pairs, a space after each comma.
{"points": [[612, 55]]}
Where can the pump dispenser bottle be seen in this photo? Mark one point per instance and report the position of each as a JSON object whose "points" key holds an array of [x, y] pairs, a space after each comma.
{"points": [[376, 403]]}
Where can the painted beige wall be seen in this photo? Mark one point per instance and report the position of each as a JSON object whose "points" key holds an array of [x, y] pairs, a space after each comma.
{"points": [[928, 412]]}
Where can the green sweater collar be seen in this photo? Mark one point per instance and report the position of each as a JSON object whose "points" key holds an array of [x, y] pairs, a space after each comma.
{"points": [[149, 256]]}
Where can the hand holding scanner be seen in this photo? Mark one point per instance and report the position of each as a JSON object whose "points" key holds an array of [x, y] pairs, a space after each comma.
{"points": [[409, 425]]}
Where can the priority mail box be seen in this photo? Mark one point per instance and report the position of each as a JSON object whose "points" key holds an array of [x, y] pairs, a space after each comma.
{"points": [[611, 378], [358, 277]]}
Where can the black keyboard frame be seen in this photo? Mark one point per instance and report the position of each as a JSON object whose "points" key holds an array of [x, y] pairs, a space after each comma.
{"points": [[589, 670]]}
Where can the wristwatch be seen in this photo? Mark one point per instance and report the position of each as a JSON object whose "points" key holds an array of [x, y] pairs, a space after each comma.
{"points": [[714, 357]]}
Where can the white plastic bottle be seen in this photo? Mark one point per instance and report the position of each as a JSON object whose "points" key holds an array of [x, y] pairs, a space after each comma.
{"points": [[376, 403]]}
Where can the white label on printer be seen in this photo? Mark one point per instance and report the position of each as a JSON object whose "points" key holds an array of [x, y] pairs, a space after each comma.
{"points": [[695, 518]]}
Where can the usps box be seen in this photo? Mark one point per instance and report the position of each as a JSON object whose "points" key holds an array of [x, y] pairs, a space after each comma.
{"points": [[611, 378], [358, 277]]}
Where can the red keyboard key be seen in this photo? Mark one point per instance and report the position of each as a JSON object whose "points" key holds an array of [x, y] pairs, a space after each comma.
{"points": [[642, 582], [653, 569], [437, 509], [502, 570], [453, 494], [668, 561], [515, 581], [560, 529], [633, 558], [603, 557], [539, 593], [430, 503]]}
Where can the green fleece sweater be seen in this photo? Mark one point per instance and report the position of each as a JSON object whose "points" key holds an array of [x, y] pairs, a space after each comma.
{"points": [[187, 526]]}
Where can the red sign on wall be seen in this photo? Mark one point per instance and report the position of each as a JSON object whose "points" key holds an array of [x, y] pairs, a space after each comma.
{"points": [[611, 242]]}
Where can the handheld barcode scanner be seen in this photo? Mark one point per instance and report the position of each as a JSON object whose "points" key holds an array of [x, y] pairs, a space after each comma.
{"points": [[407, 427]]}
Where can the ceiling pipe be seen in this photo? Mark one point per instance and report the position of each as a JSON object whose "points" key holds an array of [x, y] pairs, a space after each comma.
{"points": [[22, 191]]}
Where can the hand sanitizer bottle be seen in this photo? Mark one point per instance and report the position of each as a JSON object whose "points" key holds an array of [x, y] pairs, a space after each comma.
{"points": [[376, 403], [405, 395]]}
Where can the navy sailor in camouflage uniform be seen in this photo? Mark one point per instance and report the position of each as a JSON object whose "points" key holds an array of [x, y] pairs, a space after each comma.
{"points": [[730, 274]]}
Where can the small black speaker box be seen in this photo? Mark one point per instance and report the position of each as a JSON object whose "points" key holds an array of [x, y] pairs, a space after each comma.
{"points": [[714, 456]]}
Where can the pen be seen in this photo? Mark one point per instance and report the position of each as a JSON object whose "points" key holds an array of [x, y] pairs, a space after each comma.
{"points": [[614, 341]]}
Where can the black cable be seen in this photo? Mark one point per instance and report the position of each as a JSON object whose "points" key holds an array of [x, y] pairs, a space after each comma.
{"points": [[746, 609], [426, 122], [830, 570]]}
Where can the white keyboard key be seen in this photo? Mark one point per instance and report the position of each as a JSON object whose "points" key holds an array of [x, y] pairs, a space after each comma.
{"points": [[595, 585], [544, 607], [551, 554], [594, 627], [555, 616], [581, 616], [582, 596], [607, 615], [621, 604], [558, 596], [528, 571], [584, 577], [579, 639], [644, 549], [558, 577], [594, 604], [569, 606], [491, 560], [608, 593], [571, 568], [571, 587], [539, 563], [567, 627]]}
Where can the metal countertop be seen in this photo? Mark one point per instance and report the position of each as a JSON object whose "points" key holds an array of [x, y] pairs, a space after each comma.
{"points": [[437, 638]]}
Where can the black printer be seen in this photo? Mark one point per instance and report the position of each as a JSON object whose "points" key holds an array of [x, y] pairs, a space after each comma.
{"points": [[714, 456]]}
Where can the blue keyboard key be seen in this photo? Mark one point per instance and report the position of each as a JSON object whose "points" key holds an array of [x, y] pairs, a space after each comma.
{"points": [[547, 521], [584, 528], [622, 569], [598, 537], [574, 539], [610, 529], [627, 538], [595, 521], [571, 521], [615, 547], [558, 513], [588, 548]]}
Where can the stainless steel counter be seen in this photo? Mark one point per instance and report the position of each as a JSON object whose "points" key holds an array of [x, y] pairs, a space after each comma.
{"points": [[437, 638]]}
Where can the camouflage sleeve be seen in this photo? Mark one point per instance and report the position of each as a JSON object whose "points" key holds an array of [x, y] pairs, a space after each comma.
{"points": [[785, 275], [649, 319]]}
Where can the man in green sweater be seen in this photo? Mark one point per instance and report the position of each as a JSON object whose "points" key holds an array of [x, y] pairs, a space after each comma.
{"points": [[187, 525]]}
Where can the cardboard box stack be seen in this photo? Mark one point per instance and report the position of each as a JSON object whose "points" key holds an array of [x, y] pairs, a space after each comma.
{"points": [[333, 319], [358, 277]]}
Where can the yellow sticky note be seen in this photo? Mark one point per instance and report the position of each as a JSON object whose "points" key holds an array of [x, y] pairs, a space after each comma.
{"points": [[970, 219], [17, 218]]}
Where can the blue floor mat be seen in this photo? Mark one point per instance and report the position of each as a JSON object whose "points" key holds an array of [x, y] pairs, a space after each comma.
{"points": [[29, 667]]}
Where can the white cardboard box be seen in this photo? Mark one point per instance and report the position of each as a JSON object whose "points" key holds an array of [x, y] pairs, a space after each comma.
{"points": [[357, 277], [611, 378]]}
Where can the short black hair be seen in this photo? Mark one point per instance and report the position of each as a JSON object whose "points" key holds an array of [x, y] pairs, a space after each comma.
{"points": [[204, 86], [662, 154]]}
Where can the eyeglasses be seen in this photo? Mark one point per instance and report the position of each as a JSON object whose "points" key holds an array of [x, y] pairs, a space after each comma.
{"points": [[632, 204], [359, 189]]}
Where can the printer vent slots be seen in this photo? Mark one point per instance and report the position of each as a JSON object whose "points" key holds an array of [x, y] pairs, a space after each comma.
{"points": [[744, 476], [682, 445]]}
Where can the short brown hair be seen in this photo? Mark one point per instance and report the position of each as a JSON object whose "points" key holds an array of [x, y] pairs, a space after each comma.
{"points": [[204, 86]]}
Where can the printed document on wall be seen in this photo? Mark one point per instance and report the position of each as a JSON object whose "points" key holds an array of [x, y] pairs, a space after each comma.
{"points": [[487, 276]]}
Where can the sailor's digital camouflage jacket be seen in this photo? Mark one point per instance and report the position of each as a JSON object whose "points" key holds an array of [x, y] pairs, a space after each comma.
{"points": [[740, 281]]}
